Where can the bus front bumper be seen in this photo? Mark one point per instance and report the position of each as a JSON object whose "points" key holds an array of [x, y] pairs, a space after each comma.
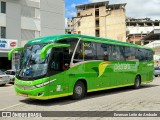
{"points": [[36, 93]]}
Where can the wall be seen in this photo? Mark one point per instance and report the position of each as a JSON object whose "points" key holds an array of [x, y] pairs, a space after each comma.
{"points": [[139, 30], [116, 25], [87, 26], [13, 21], [52, 17]]}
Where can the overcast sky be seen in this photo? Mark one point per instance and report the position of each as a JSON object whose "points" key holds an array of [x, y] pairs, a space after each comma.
{"points": [[134, 8]]}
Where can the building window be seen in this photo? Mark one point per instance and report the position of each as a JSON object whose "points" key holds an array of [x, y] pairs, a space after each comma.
{"points": [[3, 32], [30, 12], [28, 34], [79, 24], [3, 7], [97, 23], [37, 13], [97, 33], [97, 13], [79, 32], [78, 14]]}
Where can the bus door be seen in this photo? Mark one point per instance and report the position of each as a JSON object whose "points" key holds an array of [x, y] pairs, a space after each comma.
{"points": [[57, 71]]}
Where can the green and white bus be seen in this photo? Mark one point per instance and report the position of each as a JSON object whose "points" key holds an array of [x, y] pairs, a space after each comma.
{"points": [[72, 65]]}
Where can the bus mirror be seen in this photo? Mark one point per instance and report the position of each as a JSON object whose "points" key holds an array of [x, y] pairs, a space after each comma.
{"points": [[49, 46], [13, 50]]}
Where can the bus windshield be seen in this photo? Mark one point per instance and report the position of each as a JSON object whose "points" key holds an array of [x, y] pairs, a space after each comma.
{"points": [[31, 64], [57, 60]]}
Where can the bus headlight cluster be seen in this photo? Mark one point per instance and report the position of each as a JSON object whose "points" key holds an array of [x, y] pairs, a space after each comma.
{"points": [[25, 87], [45, 83]]}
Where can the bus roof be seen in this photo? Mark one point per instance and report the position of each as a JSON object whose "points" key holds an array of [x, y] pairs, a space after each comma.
{"points": [[85, 38]]}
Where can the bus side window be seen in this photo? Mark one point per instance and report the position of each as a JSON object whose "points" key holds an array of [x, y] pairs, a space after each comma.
{"points": [[78, 57], [85, 51], [150, 55], [130, 53], [102, 51], [140, 54], [89, 51], [117, 52]]}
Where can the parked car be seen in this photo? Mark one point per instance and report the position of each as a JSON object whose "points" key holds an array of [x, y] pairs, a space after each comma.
{"points": [[156, 71], [11, 74], [4, 78]]}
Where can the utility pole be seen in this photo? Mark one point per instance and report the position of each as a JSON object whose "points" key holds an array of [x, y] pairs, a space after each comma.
{"points": [[109, 13]]}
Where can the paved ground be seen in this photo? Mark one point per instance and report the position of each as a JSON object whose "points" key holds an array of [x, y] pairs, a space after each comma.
{"points": [[147, 98]]}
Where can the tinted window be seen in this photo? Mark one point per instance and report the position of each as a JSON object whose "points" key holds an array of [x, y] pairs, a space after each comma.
{"points": [[3, 32], [130, 53], [71, 41], [79, 53], [140, 55], [144, 55], [89, 50], [117, 53], [12, 73], [67, 52], [85, 51], [103, 51], [149, 55], [157, 68], [7, 72], [1, 73], [3, 7]]}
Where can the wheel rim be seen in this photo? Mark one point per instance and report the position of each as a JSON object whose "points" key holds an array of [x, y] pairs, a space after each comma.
{"points": [[137, 82], [78, 90]]}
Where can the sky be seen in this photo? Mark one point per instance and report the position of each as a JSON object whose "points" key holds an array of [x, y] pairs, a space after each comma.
{"points": [[134, 8]]}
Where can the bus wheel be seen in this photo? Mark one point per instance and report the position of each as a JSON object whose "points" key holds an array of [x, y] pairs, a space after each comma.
{"points": [[3, 85], [79, 91], [137, 82]]}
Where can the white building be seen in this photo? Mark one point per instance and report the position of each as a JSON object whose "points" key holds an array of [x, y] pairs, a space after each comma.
{"points": [[139, 28], [22, 20]]}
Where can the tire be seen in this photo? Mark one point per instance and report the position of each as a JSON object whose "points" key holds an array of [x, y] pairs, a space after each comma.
{"points": [[156, 75], [79, 91], [137, 82], [3, 85]]}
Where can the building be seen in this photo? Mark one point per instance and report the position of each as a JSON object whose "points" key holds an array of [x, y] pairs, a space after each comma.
{"points": [[101, 19], [152, 40], [137, 29], [69, 29], [22, 20]]}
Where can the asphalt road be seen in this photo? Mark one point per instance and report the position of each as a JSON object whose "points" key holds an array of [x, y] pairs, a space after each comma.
{"points": [[147, 98]]}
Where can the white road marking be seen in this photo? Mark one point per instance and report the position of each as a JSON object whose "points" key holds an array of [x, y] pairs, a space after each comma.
{"points": [[11, 106]]}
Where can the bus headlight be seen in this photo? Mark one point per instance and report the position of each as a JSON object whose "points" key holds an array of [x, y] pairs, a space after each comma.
{"points": [[25, 87]]}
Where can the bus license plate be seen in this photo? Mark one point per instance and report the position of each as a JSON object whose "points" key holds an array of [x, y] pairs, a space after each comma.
{"points": [[25, 95]]}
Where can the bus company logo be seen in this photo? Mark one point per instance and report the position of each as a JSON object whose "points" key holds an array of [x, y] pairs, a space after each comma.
{"points": [[13, 44], [118, 67], [6, 114], [102, 67]]}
